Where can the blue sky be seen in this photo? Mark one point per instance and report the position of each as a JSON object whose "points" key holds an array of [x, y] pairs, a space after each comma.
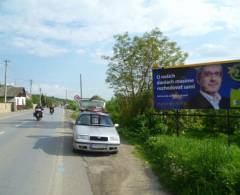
{"points": [[52, 41]]}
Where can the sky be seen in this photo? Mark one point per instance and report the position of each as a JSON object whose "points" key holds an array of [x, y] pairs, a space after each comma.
{"points": [[52, 42]]}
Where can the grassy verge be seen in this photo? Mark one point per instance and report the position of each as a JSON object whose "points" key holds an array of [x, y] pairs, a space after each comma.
{"points": [[74, 115], [191, 166]]}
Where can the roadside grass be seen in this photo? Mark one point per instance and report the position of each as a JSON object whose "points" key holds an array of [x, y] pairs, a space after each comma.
{"points": [[197, 163], [74, 115], [192, 166], [189, 165], [131, 139]]}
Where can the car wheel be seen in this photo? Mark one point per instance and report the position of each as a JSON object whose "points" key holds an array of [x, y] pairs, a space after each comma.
{"points": [[115, 152], [74, 150]]}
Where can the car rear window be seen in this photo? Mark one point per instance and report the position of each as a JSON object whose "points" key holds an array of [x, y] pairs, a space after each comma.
{"points": [[94, 119]]}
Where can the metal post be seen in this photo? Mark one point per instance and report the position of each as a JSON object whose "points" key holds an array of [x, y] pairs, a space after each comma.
{"points": [[40, 99], [80, 86], [31, 87], [228, 128], [177, 120], [66, 95], [5, 83]]}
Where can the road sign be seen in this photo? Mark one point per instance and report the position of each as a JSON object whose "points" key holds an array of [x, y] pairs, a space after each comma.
{"points": [[77, 98]]}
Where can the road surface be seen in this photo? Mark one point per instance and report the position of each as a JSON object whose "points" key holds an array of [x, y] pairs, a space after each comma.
{"points": [[36, 156]]}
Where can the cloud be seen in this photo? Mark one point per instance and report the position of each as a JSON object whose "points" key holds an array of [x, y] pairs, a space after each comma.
{"points": [[193, 18], [97, 55], [97, 20], [81, 51], [38, 47], [228, 50], [83, 23]]}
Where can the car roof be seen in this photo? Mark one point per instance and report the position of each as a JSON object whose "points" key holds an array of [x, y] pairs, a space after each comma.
{"points": [[90, 112]]}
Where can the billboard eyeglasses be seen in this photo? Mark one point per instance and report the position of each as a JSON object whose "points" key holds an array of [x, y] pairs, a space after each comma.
{"points": [[210, 74]]}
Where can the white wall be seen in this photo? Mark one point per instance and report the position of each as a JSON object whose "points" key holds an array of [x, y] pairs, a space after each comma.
{"points": [[20, 101], [5, 109]]}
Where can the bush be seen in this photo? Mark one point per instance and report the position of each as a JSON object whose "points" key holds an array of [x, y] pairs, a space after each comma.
{"points": [[35, 99], [1, 99], [73, 106], [29, 104], [74, 115], [190, 166]]}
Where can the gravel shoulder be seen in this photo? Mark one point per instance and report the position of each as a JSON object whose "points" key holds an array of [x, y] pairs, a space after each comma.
{"points": [[120, 174]]}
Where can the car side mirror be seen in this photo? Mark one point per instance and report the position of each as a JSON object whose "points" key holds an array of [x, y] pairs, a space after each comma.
{"points": [[116, 125]]}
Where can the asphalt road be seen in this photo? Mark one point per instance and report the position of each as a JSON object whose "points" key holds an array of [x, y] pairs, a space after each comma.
{"points": [[36, 157]]}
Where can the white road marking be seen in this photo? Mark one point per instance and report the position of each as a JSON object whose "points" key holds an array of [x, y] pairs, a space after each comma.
{"points": [[2, 132], [55, 185], [12, 114], [21, 123]]}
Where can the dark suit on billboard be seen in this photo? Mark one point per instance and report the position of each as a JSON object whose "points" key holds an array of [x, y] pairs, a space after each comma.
{"points": [[200, 102]]}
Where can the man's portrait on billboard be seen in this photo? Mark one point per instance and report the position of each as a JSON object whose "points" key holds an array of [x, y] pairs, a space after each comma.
{"points": [[209, 79]]}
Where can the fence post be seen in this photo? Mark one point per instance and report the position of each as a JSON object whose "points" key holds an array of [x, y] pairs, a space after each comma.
{"points": [[228, 128], [177, 119]]}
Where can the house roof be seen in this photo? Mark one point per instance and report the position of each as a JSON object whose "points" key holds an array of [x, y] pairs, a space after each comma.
{"points": [[13, 91]]}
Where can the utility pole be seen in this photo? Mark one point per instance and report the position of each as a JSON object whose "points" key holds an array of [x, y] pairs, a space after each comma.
{"points": [[31, 87], [40, 99], [81, 86], [5, 82], [66, 95]]}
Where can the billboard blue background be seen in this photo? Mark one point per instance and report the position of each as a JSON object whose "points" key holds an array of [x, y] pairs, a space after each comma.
{"points": [[165, 99]]}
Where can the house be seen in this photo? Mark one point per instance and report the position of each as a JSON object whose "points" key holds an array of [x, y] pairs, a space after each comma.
{"points": [[16, 95]]}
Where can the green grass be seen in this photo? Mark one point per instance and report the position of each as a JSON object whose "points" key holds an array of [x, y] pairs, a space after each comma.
{"points": [[74, 115], [192, 166]]}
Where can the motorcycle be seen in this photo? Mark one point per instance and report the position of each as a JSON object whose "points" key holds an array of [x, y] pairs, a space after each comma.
{"points": [[51, 110], [38, 114]]}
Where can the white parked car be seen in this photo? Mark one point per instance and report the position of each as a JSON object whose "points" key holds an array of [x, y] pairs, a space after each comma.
{"points": [[95, 131]]}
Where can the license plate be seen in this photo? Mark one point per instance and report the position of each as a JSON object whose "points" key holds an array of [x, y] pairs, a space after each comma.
{"points": [[98, 146]]}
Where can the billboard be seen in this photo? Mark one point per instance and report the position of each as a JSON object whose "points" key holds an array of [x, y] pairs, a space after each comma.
{"points": [[214, 85]]}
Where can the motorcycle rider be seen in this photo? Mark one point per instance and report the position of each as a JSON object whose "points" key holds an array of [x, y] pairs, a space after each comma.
{"points": [[51, 109], [38, 109]]}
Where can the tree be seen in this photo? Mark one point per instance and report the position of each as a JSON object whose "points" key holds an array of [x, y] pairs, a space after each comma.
{"points": [[130, 68], [43, 100], [35, 99], [29, 104]]}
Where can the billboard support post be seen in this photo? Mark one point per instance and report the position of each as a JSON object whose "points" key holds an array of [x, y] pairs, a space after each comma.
{"points": [[177, 119], [228, 128], [178, 114]]}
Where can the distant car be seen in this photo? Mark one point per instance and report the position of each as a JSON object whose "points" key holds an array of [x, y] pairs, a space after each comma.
{"points": [[92, 105], [95, 131]]}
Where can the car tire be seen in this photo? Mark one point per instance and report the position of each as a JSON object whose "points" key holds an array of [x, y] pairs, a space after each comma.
{"points": [[115, 152], [74, 150]]}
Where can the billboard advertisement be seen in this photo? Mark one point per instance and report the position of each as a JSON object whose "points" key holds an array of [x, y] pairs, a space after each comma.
{"points": [[214, 85]]}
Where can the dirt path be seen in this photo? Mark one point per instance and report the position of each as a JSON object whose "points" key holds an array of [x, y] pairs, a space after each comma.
{"points": [[120, 174]]}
